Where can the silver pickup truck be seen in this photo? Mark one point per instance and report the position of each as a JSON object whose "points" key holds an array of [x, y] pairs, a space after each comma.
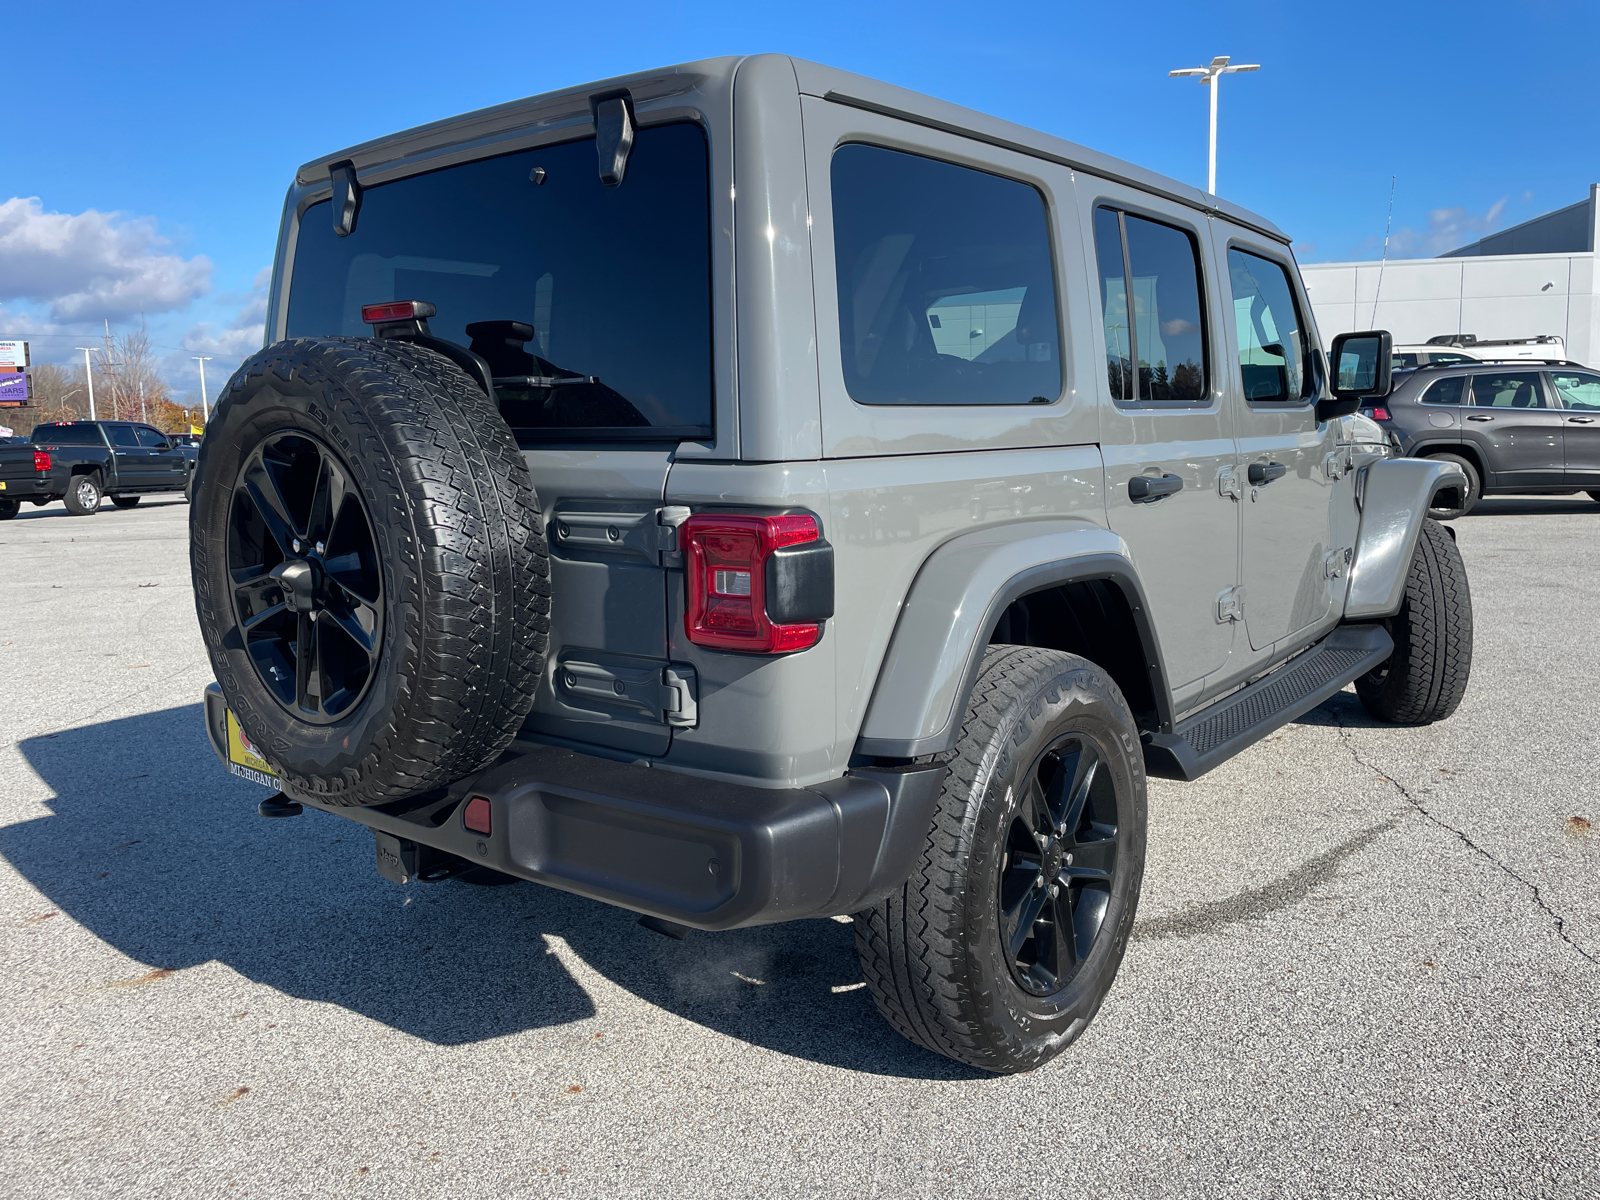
{"points": [[745, 492]]}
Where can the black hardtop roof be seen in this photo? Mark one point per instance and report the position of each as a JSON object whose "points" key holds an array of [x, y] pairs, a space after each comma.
{"points": [[843, 87]]}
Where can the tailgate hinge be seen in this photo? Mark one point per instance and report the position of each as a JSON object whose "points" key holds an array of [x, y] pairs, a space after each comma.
{"points": [[679, 707]]}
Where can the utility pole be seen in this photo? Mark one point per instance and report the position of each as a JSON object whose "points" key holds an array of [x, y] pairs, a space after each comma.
{"points": [[1208, 78], [205, 408], [89, 374], [144, 413]]}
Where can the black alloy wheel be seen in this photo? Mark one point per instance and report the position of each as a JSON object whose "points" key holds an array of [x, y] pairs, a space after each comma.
{"points": [[307, 589], [1056, 874]]}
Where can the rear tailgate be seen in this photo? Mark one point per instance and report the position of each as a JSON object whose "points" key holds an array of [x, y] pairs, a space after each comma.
{"points": [[18, 478]]}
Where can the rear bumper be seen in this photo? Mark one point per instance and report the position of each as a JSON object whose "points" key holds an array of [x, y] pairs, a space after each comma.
{"points": [[700, 852]]}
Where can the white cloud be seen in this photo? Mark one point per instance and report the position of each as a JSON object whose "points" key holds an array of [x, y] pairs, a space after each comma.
{"points": [[1448, 229], [231, 345], [92, 265]]}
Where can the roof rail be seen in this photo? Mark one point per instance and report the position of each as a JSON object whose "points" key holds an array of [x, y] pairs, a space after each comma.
{"points": [[1531, 363]]}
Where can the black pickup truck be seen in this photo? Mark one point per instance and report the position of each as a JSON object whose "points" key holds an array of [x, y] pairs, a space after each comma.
{"points": [[79, 462]]}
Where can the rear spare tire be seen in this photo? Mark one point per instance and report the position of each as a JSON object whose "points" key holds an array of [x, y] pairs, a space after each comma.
{"points": [[369, 567]]}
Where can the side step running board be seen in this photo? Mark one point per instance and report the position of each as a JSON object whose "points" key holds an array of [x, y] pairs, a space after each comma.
{"points": [[1215, 734]]}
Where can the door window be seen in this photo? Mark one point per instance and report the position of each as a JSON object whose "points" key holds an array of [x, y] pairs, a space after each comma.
{"points": [[1155, 347], [1273, 346], [1577, 389], [149, 437], [1511, 390], [947, 290], [121, 436], [1445, 391]]}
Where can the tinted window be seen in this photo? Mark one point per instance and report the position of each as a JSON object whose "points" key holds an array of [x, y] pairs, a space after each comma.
{"points": [[946, 283], [1445, 391], [67, 435], [121, 435], [1444, 357], [567, 278], [1273, 347], [1519, 390], [1578, 389], [1165, 332], [149, 437], [1402, 362]]}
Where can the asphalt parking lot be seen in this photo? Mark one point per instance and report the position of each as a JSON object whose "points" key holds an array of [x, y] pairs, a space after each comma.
{"points": [[1368, 960]]}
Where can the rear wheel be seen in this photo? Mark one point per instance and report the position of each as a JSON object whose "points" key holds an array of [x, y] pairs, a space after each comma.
{"points": [[1426, 677], [126, 501], [1455, 501], [1000, 948], [369, 568], [8, 507], [83, 495]]}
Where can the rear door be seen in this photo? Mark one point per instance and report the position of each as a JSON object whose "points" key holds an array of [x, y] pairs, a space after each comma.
{"points": [[167, 467], [131, 462], [1516, 427], [1579, 395], [1284, 453], [1167, 436]]}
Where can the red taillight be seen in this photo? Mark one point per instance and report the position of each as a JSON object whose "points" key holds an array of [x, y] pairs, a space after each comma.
{"points": [[41, 460], [1379, 414], [476, 815], [397, 310], [727, 559]]}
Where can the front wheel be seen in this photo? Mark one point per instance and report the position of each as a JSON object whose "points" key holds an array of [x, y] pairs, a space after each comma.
{"points": [[83, 496], [1000, 948], [1595, 495], [126, 501], [1426, 677]]}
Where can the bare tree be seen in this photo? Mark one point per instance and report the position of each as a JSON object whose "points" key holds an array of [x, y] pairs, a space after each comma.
{"points": [[126, 372]]}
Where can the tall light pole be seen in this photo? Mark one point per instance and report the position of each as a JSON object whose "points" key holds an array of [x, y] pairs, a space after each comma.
{"points": [[89, 374], [205, 409], [1208, 78]]}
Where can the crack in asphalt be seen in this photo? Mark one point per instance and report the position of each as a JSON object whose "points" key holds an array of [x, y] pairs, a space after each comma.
{"points": [[1345, 732]]}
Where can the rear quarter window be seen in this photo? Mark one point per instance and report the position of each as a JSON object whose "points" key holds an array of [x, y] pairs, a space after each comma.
{"points": [[947, 291]]}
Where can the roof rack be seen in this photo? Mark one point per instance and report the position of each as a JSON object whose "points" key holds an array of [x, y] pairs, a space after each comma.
{"points": [[1530, 363]]}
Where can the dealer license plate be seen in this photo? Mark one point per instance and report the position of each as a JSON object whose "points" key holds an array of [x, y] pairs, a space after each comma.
{"points": [[243, 759]]}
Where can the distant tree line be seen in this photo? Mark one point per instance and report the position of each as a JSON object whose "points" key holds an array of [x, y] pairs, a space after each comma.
{"points": [[126, 388]]}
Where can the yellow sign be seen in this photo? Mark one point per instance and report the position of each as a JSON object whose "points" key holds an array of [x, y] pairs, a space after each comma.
{"points": [[244, 760], [197, 430]]}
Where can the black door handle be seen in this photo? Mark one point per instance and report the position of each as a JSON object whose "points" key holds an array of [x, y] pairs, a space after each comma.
{"points": [[1142, 489], [1264, 473], [1580, 420]]}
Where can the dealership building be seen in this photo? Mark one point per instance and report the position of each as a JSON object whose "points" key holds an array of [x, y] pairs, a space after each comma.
{"points": [[1533, 279]]}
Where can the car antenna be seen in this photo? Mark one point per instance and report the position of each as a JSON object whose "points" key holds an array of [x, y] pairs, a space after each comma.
{"points": [[1384, 260]]}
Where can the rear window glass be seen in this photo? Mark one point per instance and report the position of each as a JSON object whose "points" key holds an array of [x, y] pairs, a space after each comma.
{"points": [[947, 288], [1445, 391], [563, 278], [67, 435]]}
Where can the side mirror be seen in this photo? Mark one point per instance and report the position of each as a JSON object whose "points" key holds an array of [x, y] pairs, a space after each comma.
{"points": [[1361, 368]]}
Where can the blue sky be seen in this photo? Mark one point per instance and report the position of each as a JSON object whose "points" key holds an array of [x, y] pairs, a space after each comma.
{"points": [[148, 147]]}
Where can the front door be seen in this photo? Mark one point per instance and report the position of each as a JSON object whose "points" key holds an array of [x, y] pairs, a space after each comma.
{"points": [[166, 464], [1167, 435], [1579, 394], [131, 460], [1518, 431], [1286, 487]]}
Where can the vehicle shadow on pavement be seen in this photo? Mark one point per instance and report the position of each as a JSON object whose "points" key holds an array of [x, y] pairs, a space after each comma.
{"points": [[157, 852]]}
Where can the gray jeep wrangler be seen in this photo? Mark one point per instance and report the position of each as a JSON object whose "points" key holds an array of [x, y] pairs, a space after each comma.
{"points": [[745, 492]]}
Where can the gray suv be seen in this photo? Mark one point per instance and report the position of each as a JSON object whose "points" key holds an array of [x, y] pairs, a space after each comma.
{"points": [[745, 492], [1511, 427]]}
